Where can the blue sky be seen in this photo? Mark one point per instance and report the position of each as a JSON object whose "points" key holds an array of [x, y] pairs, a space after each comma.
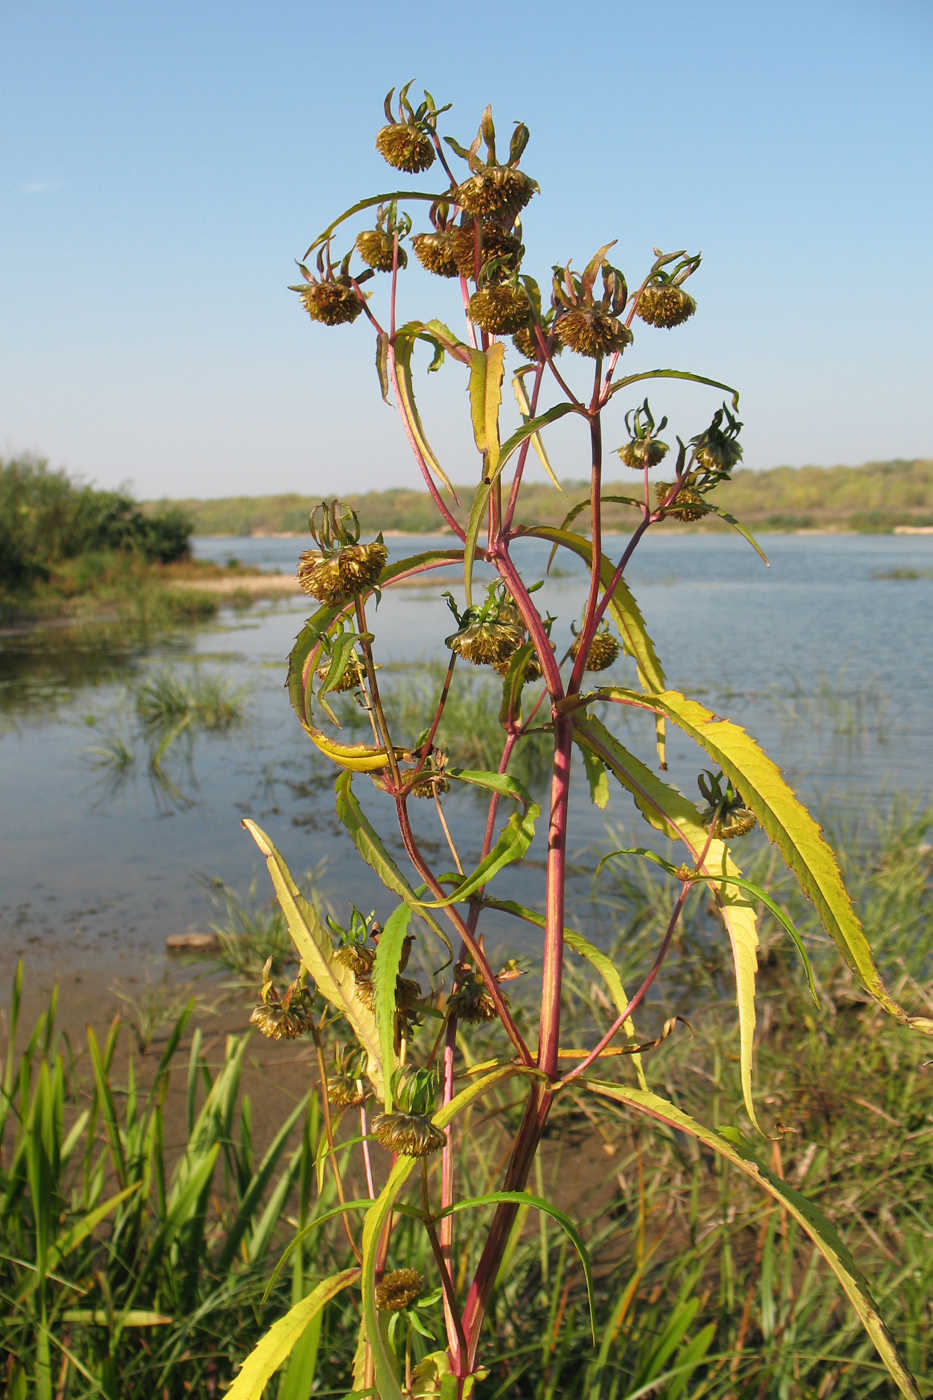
{"points": [[163, 166]]}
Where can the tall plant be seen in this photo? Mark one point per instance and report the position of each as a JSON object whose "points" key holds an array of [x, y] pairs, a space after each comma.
{"points": [[413, 1086]]}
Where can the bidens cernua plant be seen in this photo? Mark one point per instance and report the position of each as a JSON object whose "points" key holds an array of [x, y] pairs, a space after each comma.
{"points": [[390, 1049]]}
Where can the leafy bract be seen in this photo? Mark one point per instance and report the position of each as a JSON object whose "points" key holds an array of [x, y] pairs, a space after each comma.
{"points": [[730, 1145], [334, 980], [786, 821], [670, 812]]}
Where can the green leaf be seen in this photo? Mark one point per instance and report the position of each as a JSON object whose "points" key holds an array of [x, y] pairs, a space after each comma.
{"points": [[607, 971], [382, 364], [369, 845], [532, 426], [486, 370], [333, 979], [521, 398], [740, 883], [370, 203], [385, 975], [514, 839], [787, 823], [525, 1198], [624, 383], [269, 1353], [664, 808], [737, 525], [404, 344], [731, 1146], [597, 779]]}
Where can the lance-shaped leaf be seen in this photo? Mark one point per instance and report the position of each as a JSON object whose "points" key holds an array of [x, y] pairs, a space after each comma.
{"points": [[387, 1381], [370, 846], [521, 398], [274, 1348], [670, 812], [333, 979], [486, 371], [629, 379], [401, 353], [786, 821], [731, 1146], [385, 976], [514, 839]]}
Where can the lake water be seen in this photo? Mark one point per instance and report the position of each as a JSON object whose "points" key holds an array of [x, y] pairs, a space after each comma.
{"points": [[825, 662]]}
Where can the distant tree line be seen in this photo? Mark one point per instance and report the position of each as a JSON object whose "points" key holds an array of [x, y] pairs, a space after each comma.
{"points": [[47, 518], [876, 497]]}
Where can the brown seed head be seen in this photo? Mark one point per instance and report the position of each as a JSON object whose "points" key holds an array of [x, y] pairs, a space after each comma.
{"points": [[398, 1289], [333, 578], [435, 253], [406, 147], [376, 247], [345, 1093], [500, 310], [592, 332], [499, 191], [408, 1134], [494, 243], [486, 643], [331, 303], [665, 306], [642, 452], [688, 504], [603, 651]]}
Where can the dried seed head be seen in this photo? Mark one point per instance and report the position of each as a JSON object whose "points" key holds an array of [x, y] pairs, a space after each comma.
{"points": [[332, 303], [495, 242], [531, 671], [432, 779], [642, 452], [719, 454], [499, 191], [408, 1134], [406, 147], [471, 1000], [283, 1017], [592, 332], [358, 957], [665, 306], [500, 310], [333, 578], [435, 253], [688, 504], [376, 248], [486, 643], [345, 1092], [735, 821], [603, 651], [398, 1289]]}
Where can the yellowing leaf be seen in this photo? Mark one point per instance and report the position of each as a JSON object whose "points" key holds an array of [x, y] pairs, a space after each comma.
{"points": [[269, 1353], [670, 812], [312, 939], [787, 823]]}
